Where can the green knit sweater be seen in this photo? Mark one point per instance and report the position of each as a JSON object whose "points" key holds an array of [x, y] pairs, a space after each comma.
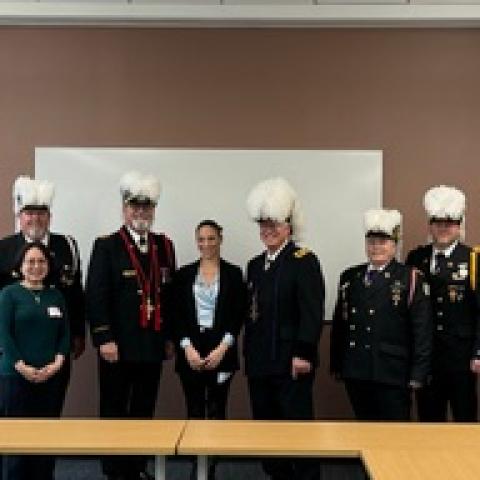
{"points": [[33, 327]]}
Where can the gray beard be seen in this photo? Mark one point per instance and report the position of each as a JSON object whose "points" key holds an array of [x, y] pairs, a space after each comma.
{"points": [[141, 225], [35, 234]]}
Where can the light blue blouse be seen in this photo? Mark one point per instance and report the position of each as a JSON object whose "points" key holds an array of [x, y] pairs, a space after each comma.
{"points": [[205, 295]]}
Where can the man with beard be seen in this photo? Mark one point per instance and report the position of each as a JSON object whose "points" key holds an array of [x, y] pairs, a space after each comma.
{"points": [[129, 311], [32, 202]]}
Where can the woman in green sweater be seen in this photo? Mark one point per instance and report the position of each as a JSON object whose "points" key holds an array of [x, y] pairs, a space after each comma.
{"points": [[34, 338]]}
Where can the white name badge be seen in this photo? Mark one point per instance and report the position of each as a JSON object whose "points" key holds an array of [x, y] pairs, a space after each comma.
{"points": [[54, 312]]}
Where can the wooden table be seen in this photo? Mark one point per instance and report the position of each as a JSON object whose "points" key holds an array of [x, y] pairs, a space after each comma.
{"points": [[92, 437], [375, 444], [422, 464]]}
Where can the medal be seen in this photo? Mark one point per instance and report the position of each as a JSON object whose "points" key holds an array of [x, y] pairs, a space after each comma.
{"points": [[452, 293], [396, 293]]}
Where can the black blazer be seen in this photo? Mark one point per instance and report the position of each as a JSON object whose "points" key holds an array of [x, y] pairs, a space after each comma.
{"points": [[229, 312], [113, 301], [456, 308], [286, 310], [378, 333]]}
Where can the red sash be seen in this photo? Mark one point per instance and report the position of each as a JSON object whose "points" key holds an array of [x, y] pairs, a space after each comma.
{"points": [[146, 284]]}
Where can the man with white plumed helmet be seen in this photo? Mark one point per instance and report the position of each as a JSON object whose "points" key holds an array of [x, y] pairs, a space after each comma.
{"points": [[129, 308], [286, 307], [451, 268], [32, 201], [381, 331]]}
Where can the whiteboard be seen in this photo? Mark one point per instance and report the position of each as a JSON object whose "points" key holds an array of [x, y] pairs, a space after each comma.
{"points": [[335, 187]]}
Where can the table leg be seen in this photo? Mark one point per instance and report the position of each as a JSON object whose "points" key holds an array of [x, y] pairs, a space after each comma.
{"points": [[159, 467], [202, 467]]}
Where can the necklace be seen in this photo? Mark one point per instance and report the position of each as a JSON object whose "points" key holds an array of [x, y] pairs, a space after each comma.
{"points": [[36, 293], [36, 296]]}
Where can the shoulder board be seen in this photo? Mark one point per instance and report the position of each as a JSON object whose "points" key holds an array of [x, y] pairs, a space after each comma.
{"points": [[474, 267], [301, 252]]}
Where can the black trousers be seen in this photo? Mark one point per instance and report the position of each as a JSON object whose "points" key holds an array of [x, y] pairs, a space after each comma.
{"points": [[455, 389], [127, 390], [25, 399], [63, 378], [372, 401], [280, 397], [205, 398]]}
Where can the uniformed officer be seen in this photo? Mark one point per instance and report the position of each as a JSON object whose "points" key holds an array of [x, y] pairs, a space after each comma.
{"points": [[286, 298], [451, 269], [129, 311], [381, 337], [32, 201]]}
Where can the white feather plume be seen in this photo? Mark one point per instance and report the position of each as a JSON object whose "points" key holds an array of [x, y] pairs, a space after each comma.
{"points": [[30, 192], [275, 199], [382, 221], [444, 202], [134, 184]]}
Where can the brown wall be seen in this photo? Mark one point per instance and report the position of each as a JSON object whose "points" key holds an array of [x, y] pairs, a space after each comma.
{"points": [[412, 93]]}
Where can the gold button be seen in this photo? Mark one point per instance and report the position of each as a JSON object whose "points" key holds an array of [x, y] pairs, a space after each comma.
{"points": [[371, 311]]}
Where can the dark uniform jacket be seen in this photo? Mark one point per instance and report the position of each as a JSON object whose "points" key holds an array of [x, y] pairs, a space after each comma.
{"points": [[229, 312], [286, 309], [456, 308], [114, 298], [66, 275], [382, 332]]}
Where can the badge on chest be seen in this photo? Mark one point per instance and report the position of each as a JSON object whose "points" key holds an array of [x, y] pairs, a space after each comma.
{"points": [[54, 312]]}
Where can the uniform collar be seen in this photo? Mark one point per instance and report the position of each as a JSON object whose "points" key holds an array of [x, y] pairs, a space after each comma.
{"points": [[271, 257], [136, 238], [378, 269], [447, 252], [44, 240]]}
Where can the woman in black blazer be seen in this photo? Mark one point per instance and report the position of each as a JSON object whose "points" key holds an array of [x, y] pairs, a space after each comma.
{"points": [[210, 306]]}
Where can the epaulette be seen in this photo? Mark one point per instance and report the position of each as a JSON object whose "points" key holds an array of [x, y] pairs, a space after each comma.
{"points": [[301, 252], [473, 266]]}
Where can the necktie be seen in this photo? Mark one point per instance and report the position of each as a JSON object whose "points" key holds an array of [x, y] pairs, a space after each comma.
{"points": [[142, 245], [370, 276], [440, 262]]}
